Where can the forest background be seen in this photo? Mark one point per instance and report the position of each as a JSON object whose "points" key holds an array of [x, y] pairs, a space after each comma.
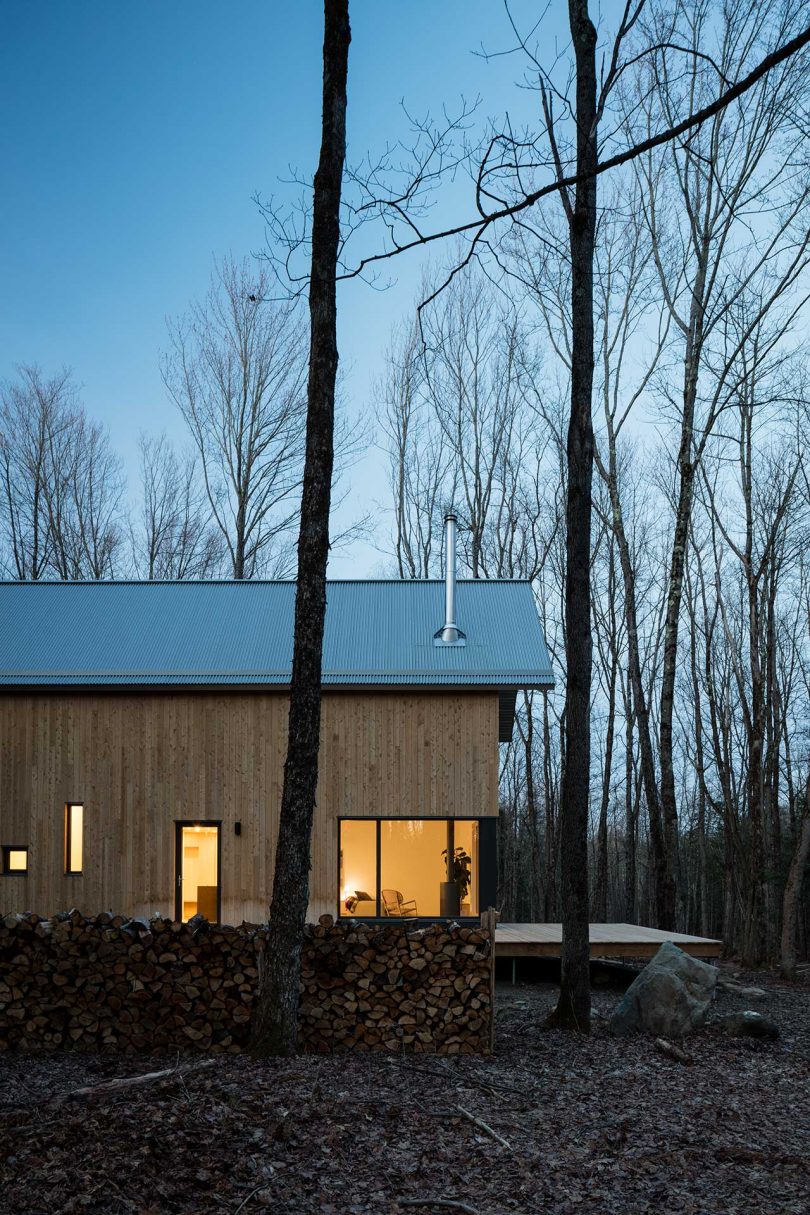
{"points": [[701, 586]]}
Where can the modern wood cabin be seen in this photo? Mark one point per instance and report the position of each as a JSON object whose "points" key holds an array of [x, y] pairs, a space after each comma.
{"points": [[143, 730]]}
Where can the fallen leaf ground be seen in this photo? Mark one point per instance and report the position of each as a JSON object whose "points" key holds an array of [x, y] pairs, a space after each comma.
{"points": [[591, 1125]]}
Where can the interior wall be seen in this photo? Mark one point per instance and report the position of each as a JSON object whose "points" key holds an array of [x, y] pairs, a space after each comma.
{"points": [[411, 861], [199, 866], [358, 867]]}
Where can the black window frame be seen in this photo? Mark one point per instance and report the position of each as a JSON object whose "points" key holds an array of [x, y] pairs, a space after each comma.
{"points": [[487, 876], [5, 849], [69, 808]]}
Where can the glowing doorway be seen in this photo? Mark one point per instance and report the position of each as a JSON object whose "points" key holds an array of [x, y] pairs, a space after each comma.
{"points": [[198, 884]]}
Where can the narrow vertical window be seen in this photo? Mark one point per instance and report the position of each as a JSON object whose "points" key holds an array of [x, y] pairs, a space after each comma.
{"points": [[74, 837]]}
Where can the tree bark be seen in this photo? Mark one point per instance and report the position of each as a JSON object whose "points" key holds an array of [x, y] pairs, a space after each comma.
{"points": [[640, 706], [550, 896], [574, 1007], [536, 885], [600, 896], [277, 1006], [630, 816], [793, 890]]}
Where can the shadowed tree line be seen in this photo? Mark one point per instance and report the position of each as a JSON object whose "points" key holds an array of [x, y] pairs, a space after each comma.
{"points": [[460, 411], [700, 586]]}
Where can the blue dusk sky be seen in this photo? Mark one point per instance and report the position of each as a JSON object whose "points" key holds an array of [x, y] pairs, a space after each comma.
{"points": [[135, 134]]}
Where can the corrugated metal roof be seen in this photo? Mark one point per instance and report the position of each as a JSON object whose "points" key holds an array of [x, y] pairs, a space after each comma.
{"points": [[378, 633]]}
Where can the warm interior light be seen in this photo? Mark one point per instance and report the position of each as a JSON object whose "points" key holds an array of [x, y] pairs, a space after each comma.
{"points": [[17, 860], [413, 864], [200, 871], [77, 836], [74, 837]]}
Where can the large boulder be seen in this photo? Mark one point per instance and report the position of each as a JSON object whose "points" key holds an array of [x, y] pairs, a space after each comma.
{"points": [[669, 998]]}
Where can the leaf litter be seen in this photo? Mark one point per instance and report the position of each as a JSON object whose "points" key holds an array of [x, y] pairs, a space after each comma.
{"points": [[551, 1123]]}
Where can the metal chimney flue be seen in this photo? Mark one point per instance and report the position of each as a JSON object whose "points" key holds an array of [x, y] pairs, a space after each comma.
{"points": [[450, 633]]}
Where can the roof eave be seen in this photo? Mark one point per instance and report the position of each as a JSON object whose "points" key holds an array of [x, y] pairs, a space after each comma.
{"points": [[530, 683]]}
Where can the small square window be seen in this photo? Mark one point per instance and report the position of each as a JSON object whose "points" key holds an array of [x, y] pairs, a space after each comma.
{"points": [[74, 837], [15, 858]]}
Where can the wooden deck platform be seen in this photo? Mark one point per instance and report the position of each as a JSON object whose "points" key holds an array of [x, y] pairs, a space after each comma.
{"points": [[607, 941]]}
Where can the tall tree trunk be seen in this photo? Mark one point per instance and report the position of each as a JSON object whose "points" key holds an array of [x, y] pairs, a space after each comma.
{"points": [[702, 895], [669, 805], [600, 896], [630, 825], [754, 928], [550, 900], [754, 932], [536, 886], [771, 773], [793, 890], [277, 1006], [641, 708], [574, 1005], [687, 468]]}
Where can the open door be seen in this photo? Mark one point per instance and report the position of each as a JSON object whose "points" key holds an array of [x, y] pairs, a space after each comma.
{"points": [[197, 853]]}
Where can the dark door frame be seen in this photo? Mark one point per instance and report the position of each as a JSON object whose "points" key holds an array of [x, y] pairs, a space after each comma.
{"points": [[179, 824]]}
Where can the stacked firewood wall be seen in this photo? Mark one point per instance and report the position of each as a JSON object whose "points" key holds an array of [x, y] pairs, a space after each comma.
{"points": [[108, 983], [379, 987]]}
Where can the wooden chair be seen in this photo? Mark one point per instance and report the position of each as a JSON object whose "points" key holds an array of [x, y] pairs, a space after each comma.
{"points": [[394, 904]]}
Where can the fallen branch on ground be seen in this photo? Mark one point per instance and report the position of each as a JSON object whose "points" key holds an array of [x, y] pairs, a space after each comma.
{"points": [[672, 1051], [111, 1088], [484, 1127], [437, 1202], [245, 1201], [459, 1078]]}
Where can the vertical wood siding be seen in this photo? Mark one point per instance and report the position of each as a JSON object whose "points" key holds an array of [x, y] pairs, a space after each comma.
{"points": [[141, 762]]}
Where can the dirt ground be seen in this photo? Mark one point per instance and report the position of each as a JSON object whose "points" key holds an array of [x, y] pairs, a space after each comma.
{"points": [[571, 1125]]}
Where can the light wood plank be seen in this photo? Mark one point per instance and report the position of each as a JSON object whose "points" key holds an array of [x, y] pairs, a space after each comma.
{"points": [[139, 762], [606, 941]]}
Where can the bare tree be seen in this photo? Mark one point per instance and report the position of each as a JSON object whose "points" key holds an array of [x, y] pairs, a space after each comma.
{"points": [[608, 634], [481, 383], [35, 413], [458, 411], [175, 536], [418, 456], [696, 195], [236, 369], [63, 484], [624, 297], [765, 535], [90, 543]]}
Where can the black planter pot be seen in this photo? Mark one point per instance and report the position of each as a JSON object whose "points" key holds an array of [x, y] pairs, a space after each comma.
{"points": [[449, 900]]}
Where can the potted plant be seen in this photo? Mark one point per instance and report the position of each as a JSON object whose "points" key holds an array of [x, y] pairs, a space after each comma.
{"points": [[459, 873]]}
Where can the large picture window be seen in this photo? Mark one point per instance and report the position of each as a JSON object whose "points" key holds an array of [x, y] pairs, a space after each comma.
{"points": [[408, 867]]}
